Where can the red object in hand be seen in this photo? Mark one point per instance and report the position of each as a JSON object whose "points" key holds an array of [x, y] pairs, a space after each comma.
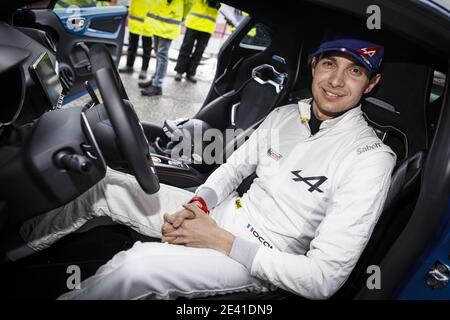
{"points": [[199, 202]]}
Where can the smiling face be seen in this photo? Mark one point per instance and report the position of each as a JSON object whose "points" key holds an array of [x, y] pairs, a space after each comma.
{"points": [[338, 84]]}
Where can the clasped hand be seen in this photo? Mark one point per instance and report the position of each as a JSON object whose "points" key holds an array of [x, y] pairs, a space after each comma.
{"points": [[194, 228]]}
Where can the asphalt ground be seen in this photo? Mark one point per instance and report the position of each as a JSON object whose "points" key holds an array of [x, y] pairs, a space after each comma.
{"points": [[179, 99]]}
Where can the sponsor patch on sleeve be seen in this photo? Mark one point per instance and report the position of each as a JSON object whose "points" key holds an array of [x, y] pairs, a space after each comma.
{"points": [[368, 147]]}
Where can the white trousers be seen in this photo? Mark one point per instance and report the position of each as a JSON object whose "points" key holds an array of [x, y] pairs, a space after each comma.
{"points": [[147, 270]]}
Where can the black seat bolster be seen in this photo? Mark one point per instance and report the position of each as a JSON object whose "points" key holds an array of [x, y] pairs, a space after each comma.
{"points": [[217, 110], [404, 176], [257, 100]]}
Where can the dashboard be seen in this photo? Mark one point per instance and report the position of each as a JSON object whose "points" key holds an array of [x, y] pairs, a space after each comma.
{"points": [[51, 155], [48, 155], [29, 62]]}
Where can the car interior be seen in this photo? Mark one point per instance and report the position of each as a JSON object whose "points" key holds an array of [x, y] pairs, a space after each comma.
{"points": [[49, 156]]}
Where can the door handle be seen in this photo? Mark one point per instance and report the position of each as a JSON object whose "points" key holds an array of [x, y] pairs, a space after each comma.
{"points": [[76, 23]]}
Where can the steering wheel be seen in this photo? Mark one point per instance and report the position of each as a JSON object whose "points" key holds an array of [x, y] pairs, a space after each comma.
{"points": [[100, 58], [130, 135]]}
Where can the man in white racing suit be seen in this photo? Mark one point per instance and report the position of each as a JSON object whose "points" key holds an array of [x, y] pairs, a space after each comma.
{"points": [[322, 179]]}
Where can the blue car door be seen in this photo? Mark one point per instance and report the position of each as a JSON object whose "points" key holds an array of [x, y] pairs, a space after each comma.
{"points": [[77, 25]]}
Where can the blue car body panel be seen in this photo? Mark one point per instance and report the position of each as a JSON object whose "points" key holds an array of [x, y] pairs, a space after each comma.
{"points": [[90, 14], [414, 287]]}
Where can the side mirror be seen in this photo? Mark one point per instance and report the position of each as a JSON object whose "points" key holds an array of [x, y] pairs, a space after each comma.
{"points": [[266, 73]]}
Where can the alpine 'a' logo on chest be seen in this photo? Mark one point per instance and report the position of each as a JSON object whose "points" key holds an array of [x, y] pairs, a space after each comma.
{"points": [[312, 187]]}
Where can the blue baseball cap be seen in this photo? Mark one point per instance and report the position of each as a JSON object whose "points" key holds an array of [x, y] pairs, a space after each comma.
{"points": [[370, 55]]}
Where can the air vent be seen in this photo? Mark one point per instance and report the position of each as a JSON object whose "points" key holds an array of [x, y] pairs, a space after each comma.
{"points": [[66, 77]]}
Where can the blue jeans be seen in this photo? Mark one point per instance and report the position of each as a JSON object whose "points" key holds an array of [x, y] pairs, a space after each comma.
{"points": [[161, 46]]}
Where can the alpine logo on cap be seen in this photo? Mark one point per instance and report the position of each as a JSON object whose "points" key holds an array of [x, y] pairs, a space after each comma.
{"points": [[368, 52]]}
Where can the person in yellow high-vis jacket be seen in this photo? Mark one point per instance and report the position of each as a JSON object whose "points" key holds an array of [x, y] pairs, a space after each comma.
{"points": [[200, 24], [136, 19], [163, 20]]}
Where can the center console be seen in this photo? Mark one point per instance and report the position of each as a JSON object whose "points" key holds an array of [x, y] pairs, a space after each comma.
{"points": [[176, 173], [180, 170]]}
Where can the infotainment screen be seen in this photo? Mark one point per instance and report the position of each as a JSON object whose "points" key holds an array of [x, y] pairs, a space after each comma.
{"points": [[45, 74]]}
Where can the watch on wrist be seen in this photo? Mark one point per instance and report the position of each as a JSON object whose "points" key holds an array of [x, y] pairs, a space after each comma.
{"points": [[200, 202]]}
